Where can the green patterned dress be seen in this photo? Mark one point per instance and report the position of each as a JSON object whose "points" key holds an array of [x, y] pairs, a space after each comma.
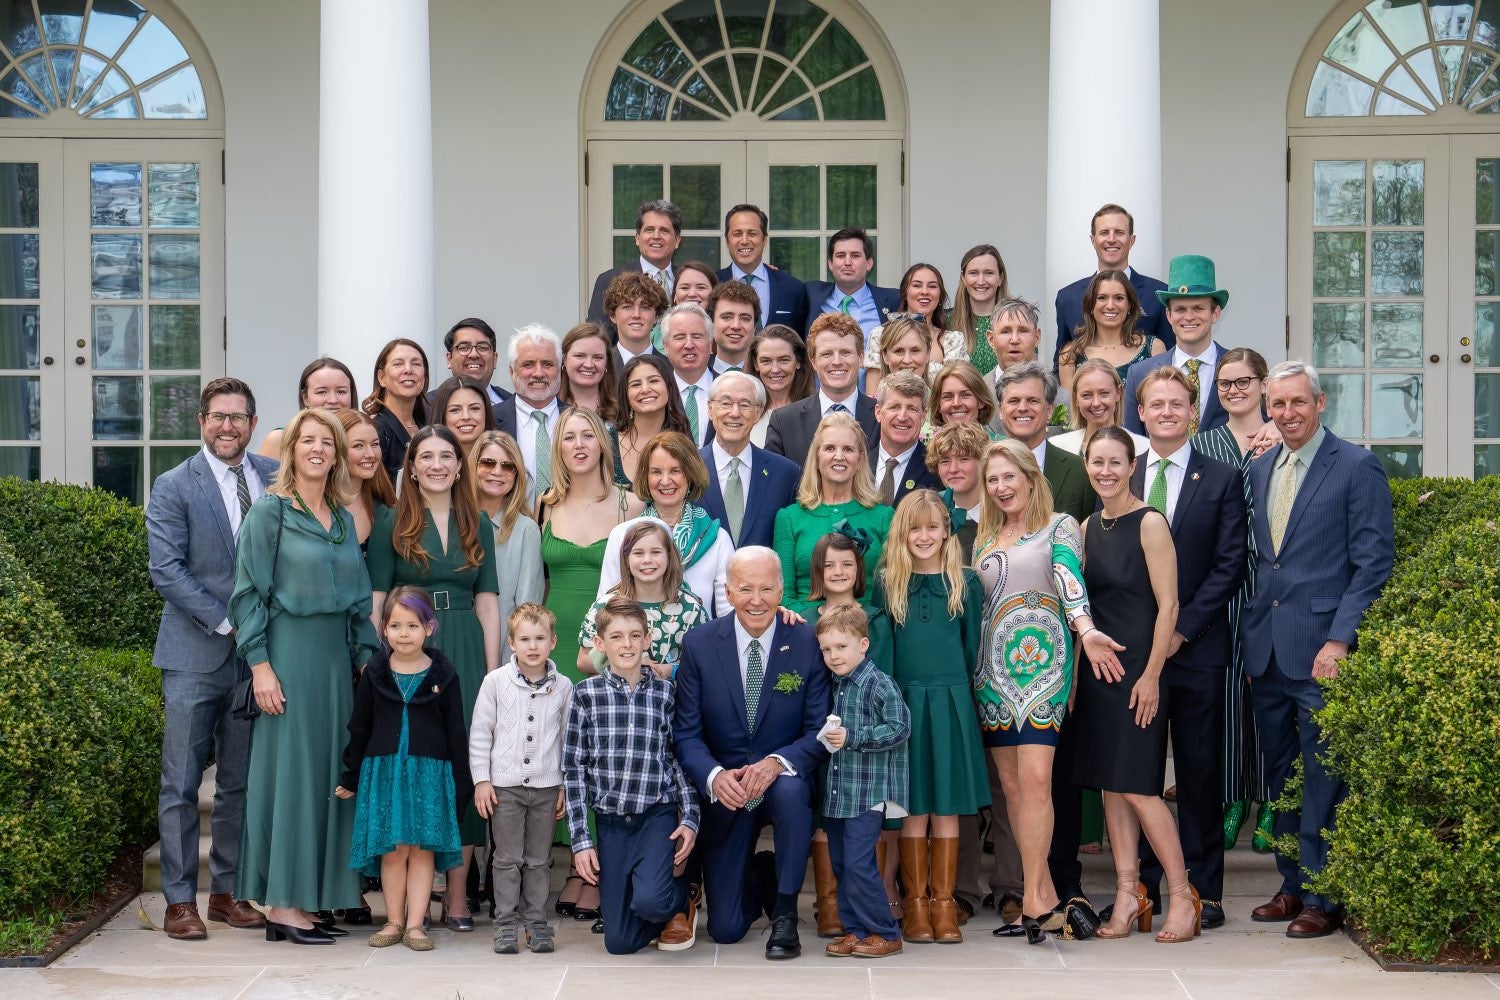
{"points": [[983, 355], [668, 622], [798, 530]]}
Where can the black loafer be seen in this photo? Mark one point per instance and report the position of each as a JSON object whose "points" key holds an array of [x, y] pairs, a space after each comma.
{"points": [[598, 926], [1213, 914], [459, 925], [586, 913], [783, 943], [1009, 930]]}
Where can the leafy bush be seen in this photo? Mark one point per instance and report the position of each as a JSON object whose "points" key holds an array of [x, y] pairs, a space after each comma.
{"points": [[1427, 507], [87, 549]]}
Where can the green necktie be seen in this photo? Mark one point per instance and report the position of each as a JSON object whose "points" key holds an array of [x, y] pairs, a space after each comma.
{"points": [[692, 412], [755, 673], [734, 499], [543, 453], [847, 306], [750, 280], [1158, 496]]}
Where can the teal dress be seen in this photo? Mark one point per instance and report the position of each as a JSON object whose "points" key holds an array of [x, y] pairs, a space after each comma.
{"points": [[798, 530], [405, 800], [303, 605], [935, 658], [459, 634]]}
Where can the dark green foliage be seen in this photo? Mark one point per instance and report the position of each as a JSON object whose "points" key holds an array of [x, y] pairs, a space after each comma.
{"points": [[1426, 507], [87, 549]]}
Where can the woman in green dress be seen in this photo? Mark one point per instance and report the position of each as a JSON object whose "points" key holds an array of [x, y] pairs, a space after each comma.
{"points": [[301, 613], [982, 282], [836, 486], [433, 540]]}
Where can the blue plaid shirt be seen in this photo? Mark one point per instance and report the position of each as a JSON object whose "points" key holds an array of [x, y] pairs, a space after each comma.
{"points": [[871, 767], [617, 754]]}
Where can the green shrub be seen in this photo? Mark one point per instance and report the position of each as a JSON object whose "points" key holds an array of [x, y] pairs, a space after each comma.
{"points": [[87, 549], [1427, 507]]}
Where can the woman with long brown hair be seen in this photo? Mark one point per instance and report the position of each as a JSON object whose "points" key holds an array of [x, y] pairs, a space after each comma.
{"points": [[652, 404], [1110, 311], [778, 357], [366, 471], [590, 373], [462, 404], [399, 400], [326, 384], [433, 539], [982, 282]]}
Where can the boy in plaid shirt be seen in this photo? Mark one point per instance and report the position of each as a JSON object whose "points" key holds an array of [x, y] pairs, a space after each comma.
{"points": [[618, 760], [867, 780]]}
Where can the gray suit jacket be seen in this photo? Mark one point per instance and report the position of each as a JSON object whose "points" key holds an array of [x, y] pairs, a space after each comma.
{"points": [[192, 563]]}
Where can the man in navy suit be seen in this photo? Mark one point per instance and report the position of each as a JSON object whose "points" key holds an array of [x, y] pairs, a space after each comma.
{"points": [[898, 458], [685, 341], [530, 416], [752, 694], [658, 233], [833, 345], [1112, 231], [851, 256], [1193, 305], [746, 485], [783, 298], [734, 309], [192, 519], [1324, 534], [472, 350], [1204, 503]]}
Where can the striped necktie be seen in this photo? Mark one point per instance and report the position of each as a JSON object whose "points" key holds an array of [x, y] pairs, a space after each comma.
{"points": [[1193, 365]]}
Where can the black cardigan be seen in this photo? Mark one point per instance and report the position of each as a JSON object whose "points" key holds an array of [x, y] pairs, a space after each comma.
{"points": [[436, 722]]}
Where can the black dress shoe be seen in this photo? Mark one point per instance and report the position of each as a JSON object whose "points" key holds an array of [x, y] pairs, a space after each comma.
{"points": [[1213, 914], [1009, 930], [359, 916], [296, 935], [586, 913], [783, 942]]}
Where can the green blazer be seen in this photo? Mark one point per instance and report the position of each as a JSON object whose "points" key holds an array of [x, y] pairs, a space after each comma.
{"points": [[1072, 493]]}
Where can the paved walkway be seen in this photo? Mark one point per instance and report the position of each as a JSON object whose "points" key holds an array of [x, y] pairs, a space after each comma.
{"points": [[1241, 959]]}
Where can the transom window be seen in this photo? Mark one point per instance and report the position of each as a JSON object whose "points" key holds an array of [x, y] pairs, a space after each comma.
{"points": [[773, 60], [104, 59]]}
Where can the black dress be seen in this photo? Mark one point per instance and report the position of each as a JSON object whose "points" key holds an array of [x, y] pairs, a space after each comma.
{"points": [[1113, 753]]}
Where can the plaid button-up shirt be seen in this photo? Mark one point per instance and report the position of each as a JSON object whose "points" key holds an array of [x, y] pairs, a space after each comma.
{"points": [[617, 754], [871, 767]]}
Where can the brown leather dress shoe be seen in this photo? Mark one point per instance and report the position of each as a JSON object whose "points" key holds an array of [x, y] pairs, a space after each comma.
{"points": [[223, 907], [682, 930], [1314, 922], [183, 923], [876, 946], [841, 946], [1283, 906]]}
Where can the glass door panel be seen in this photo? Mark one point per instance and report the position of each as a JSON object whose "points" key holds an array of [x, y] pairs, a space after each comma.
{"points": [[1473, 347]]}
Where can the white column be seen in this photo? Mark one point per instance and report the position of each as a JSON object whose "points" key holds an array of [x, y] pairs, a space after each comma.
{"points": [[375, 239], [1103, 134]]}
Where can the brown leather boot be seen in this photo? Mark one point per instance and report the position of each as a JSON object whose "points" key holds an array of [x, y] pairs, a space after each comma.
{"points": [[826, 904], [916, 923], [944, 875]]}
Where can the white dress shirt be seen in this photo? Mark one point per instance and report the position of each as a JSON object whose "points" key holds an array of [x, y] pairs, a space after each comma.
{"points": [[1175, 473], [722, 459], [1210, 359], [902, 460], [1040, 451], [825, 403], [526, 429], [704, 383], [229, 492], [742, 654], [650, 270], [626, 356]]}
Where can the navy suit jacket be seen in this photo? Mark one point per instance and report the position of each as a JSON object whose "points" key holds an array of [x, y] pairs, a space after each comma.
{"points": [[788, 299], [505, 416], [1214, 416], [596, 300], [770, 486], [1068, 308], [916, 475], [792, 427], [191, 549], [710, 728], [887, 300], [1335, 557], [1212, 541]]}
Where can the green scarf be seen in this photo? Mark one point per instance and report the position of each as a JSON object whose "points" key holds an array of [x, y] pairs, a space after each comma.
{"points": [[694, 535]]}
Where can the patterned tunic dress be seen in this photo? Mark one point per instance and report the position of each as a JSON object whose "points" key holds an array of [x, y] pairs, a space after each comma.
{"points": [[1034, 590]]}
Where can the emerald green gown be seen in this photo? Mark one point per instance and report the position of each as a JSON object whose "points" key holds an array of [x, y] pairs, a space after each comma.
{"points": [[302, 605], [459, 634]]}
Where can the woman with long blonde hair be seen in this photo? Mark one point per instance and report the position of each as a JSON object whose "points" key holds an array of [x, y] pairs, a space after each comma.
{"points": [[497, 476], [1097, 400]]}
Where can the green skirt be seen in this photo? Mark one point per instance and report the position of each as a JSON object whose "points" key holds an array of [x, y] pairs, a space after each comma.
{"points": [[948, 773], [461, 638]]}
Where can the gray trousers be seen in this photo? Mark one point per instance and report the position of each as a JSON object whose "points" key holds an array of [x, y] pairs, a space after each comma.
{"points": [[1006, 877], [520, 870], [197, 721]]}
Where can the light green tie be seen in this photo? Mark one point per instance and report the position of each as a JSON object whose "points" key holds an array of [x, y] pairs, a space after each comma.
{"points": [[1281, 504], [1158, 496], [543, 453], [734, 500], [692, 412], [755, 673], [750, 280], [847, 305], [1193, 365]]}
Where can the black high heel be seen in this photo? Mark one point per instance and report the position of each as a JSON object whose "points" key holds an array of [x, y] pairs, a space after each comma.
{"points": [[1037, 928], [295, 934], [332, 930]]}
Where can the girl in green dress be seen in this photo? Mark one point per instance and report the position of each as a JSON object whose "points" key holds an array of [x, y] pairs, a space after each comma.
{"points": [[301, 613], [936, 606], [837, 485], [433, 540], [982, 282]]}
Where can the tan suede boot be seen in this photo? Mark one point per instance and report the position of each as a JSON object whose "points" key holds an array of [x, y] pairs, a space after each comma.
{"points": [[944, 875], [916, 924]]}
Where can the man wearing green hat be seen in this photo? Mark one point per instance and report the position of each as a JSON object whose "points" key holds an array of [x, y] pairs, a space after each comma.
{"points": [[1193, 303]]}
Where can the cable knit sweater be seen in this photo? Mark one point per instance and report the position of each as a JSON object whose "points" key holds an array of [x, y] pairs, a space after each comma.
{"points": [[516, 736]]}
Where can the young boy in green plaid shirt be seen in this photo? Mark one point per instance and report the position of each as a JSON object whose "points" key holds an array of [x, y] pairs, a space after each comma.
{"points": [[867, 780]]}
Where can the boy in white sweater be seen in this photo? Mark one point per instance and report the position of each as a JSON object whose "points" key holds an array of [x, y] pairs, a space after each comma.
{"points": [[515, 755]]}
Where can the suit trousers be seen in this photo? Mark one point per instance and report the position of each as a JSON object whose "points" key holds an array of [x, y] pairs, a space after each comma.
{"points": [[521, 863], [1006, 877], [637, 892], [1195, 717], [1284, 722], [198, 720], [728, 840], [1067, 817], [863, 908]]}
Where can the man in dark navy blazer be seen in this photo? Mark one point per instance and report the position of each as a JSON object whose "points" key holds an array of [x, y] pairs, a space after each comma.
{"points": [[783, 297], [1112, 231], [658, 233], [765, 482], [734, 309], [471, 349], [1203, 501], [1194, 303], [1325, 543], [753, 752], [851, 256], [898, 458], [833, 344]]}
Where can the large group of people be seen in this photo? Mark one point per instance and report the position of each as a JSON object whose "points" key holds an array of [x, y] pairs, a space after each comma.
{"points": [[740, 551]]}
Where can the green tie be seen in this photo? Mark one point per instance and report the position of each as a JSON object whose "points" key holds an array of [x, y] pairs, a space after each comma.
{"points": [[755, 673], [847, 306], [543, 453], [750, 280], [1158, 496], [692, 412], [734, 499]]}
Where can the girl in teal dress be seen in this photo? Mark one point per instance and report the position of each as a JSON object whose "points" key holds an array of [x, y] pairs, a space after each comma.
{"points": [[408, 760], [936, 606], [837, 486], [433, 540]]}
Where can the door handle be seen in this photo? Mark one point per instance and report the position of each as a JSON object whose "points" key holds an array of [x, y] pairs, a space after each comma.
{"points": [[47, 360], [78, 360], [1434, 359], [1466, 358]]}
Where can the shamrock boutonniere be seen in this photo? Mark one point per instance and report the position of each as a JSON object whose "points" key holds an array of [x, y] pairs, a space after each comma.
{"points": [[911, 484], [765, 472], [1196, 477], [788, 683]]}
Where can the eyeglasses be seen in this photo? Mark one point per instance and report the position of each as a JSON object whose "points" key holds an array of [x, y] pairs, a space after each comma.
{"points": [[1225, 384], [490, 463], [482, 348], [238, 421], [736, 404]]}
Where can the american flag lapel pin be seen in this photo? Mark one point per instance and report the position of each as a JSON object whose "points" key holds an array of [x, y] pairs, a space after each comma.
{"points": [[1196, 477]]}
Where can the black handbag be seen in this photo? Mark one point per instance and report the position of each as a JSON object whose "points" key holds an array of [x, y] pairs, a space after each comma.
{"points": [[244, 705]]}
